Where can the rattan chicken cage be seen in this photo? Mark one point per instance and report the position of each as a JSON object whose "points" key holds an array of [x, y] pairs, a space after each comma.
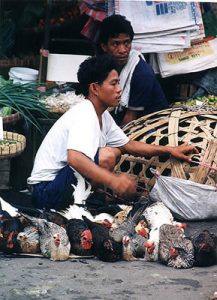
{"points": [[172, 127]]}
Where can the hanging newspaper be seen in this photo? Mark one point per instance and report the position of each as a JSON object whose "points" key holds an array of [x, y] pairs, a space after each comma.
{"points": [[201, 56], [162, 26]]}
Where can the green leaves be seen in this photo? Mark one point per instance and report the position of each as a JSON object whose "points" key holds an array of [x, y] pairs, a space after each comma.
{"points": [[25, 99]]}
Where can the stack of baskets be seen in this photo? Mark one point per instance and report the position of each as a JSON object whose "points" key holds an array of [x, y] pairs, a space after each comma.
{"points": [[173, 127]]}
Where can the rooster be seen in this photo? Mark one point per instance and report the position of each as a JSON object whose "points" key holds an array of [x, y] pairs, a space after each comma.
{"points": [[54, 242], [28, 240], [205, 249], [104, 247], [81, 193], [175, 250], [80, 237]]}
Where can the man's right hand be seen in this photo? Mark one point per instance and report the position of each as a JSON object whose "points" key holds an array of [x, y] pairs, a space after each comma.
{"points": [[123, 184]]}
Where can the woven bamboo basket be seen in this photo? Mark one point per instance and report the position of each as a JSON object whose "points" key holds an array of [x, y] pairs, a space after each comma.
{"points": [[172, 127], [13, 144], [11, 119]]}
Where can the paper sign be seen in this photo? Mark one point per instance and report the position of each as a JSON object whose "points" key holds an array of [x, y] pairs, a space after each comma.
{"points": [[195, 52], [199, 57], [1, 128], [64, 67]]}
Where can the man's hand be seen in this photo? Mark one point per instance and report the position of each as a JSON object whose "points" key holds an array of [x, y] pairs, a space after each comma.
{"points": [[182, 151], [123, 184]]}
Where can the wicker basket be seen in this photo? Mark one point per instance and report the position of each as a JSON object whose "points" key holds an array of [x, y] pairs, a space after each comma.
{"points": [[173, 127], [15, 146], [11, 119]]}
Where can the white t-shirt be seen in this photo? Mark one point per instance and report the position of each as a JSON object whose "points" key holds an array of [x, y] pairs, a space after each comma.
{"points": [[77, 129]]}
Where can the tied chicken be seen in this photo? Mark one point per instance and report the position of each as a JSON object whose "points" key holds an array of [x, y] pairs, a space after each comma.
{"points": [[175, 250], [80, 237], [104, 247], [205, 249], [28, 240], [156, 215], [54, 242]]}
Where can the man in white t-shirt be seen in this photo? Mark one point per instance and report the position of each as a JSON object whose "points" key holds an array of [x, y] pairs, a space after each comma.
{"points": [[87, 141]]}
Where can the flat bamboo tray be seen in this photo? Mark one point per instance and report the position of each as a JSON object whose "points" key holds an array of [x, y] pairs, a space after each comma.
{"points": [[173, 127], [15, 146]]}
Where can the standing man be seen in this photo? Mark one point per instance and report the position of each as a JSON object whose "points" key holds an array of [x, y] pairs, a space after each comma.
{"points": [[142, 93], [87, 141]]}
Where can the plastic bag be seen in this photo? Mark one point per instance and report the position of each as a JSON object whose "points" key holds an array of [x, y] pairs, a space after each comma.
{"points": [[186, 199]]}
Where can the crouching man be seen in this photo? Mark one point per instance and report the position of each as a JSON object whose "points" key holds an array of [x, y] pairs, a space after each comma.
{"points": [[87, 140]]}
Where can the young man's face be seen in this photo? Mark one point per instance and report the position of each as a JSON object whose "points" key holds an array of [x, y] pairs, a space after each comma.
{"points": [[109, 92], [119, 47]]}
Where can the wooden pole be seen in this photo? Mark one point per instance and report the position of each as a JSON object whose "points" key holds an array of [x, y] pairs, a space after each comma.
{"points": [[45, 47]]}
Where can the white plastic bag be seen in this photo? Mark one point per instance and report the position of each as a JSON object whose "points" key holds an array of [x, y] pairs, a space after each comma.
{"points": [[187, 200]]}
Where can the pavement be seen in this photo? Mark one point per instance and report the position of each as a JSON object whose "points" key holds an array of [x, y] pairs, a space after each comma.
{"points": [[39, 278]]}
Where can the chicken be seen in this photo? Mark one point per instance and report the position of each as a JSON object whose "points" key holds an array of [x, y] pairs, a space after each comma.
{"points": [[100, 218], [28, 240], [127, 250], [53, 216], [10, 227], [7, 207], [133, 247], [80, 237], [205, 249], [54, 242], [75, 212], [175, 250], [98, 203], [141, 228], [127, 227], [121, 216], [104, 247], [156, 215], [81, 193]]}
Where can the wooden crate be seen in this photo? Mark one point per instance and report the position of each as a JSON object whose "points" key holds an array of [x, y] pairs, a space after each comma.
{"points": [[5, 166]]}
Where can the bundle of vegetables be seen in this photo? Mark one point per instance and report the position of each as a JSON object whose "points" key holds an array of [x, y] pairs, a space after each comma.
{"points": [[24, 99]]}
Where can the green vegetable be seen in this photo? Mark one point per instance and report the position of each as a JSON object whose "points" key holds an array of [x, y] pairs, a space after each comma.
{"points": [[7, 142], [5, 111], [24, 98]]}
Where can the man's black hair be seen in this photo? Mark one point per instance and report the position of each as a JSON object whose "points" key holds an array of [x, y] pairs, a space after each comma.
{"points": [[112, 26], [94, 69]]}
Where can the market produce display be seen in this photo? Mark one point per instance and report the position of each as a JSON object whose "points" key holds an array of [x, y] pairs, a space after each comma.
{"points": [[22, 99], [61, 102], [205, 100]]}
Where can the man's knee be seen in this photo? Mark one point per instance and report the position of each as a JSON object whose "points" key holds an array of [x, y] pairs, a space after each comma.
{"points": [[109, 157]]}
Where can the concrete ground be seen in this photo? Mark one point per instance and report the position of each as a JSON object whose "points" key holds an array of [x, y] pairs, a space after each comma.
{"points": [[39, 278]]}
